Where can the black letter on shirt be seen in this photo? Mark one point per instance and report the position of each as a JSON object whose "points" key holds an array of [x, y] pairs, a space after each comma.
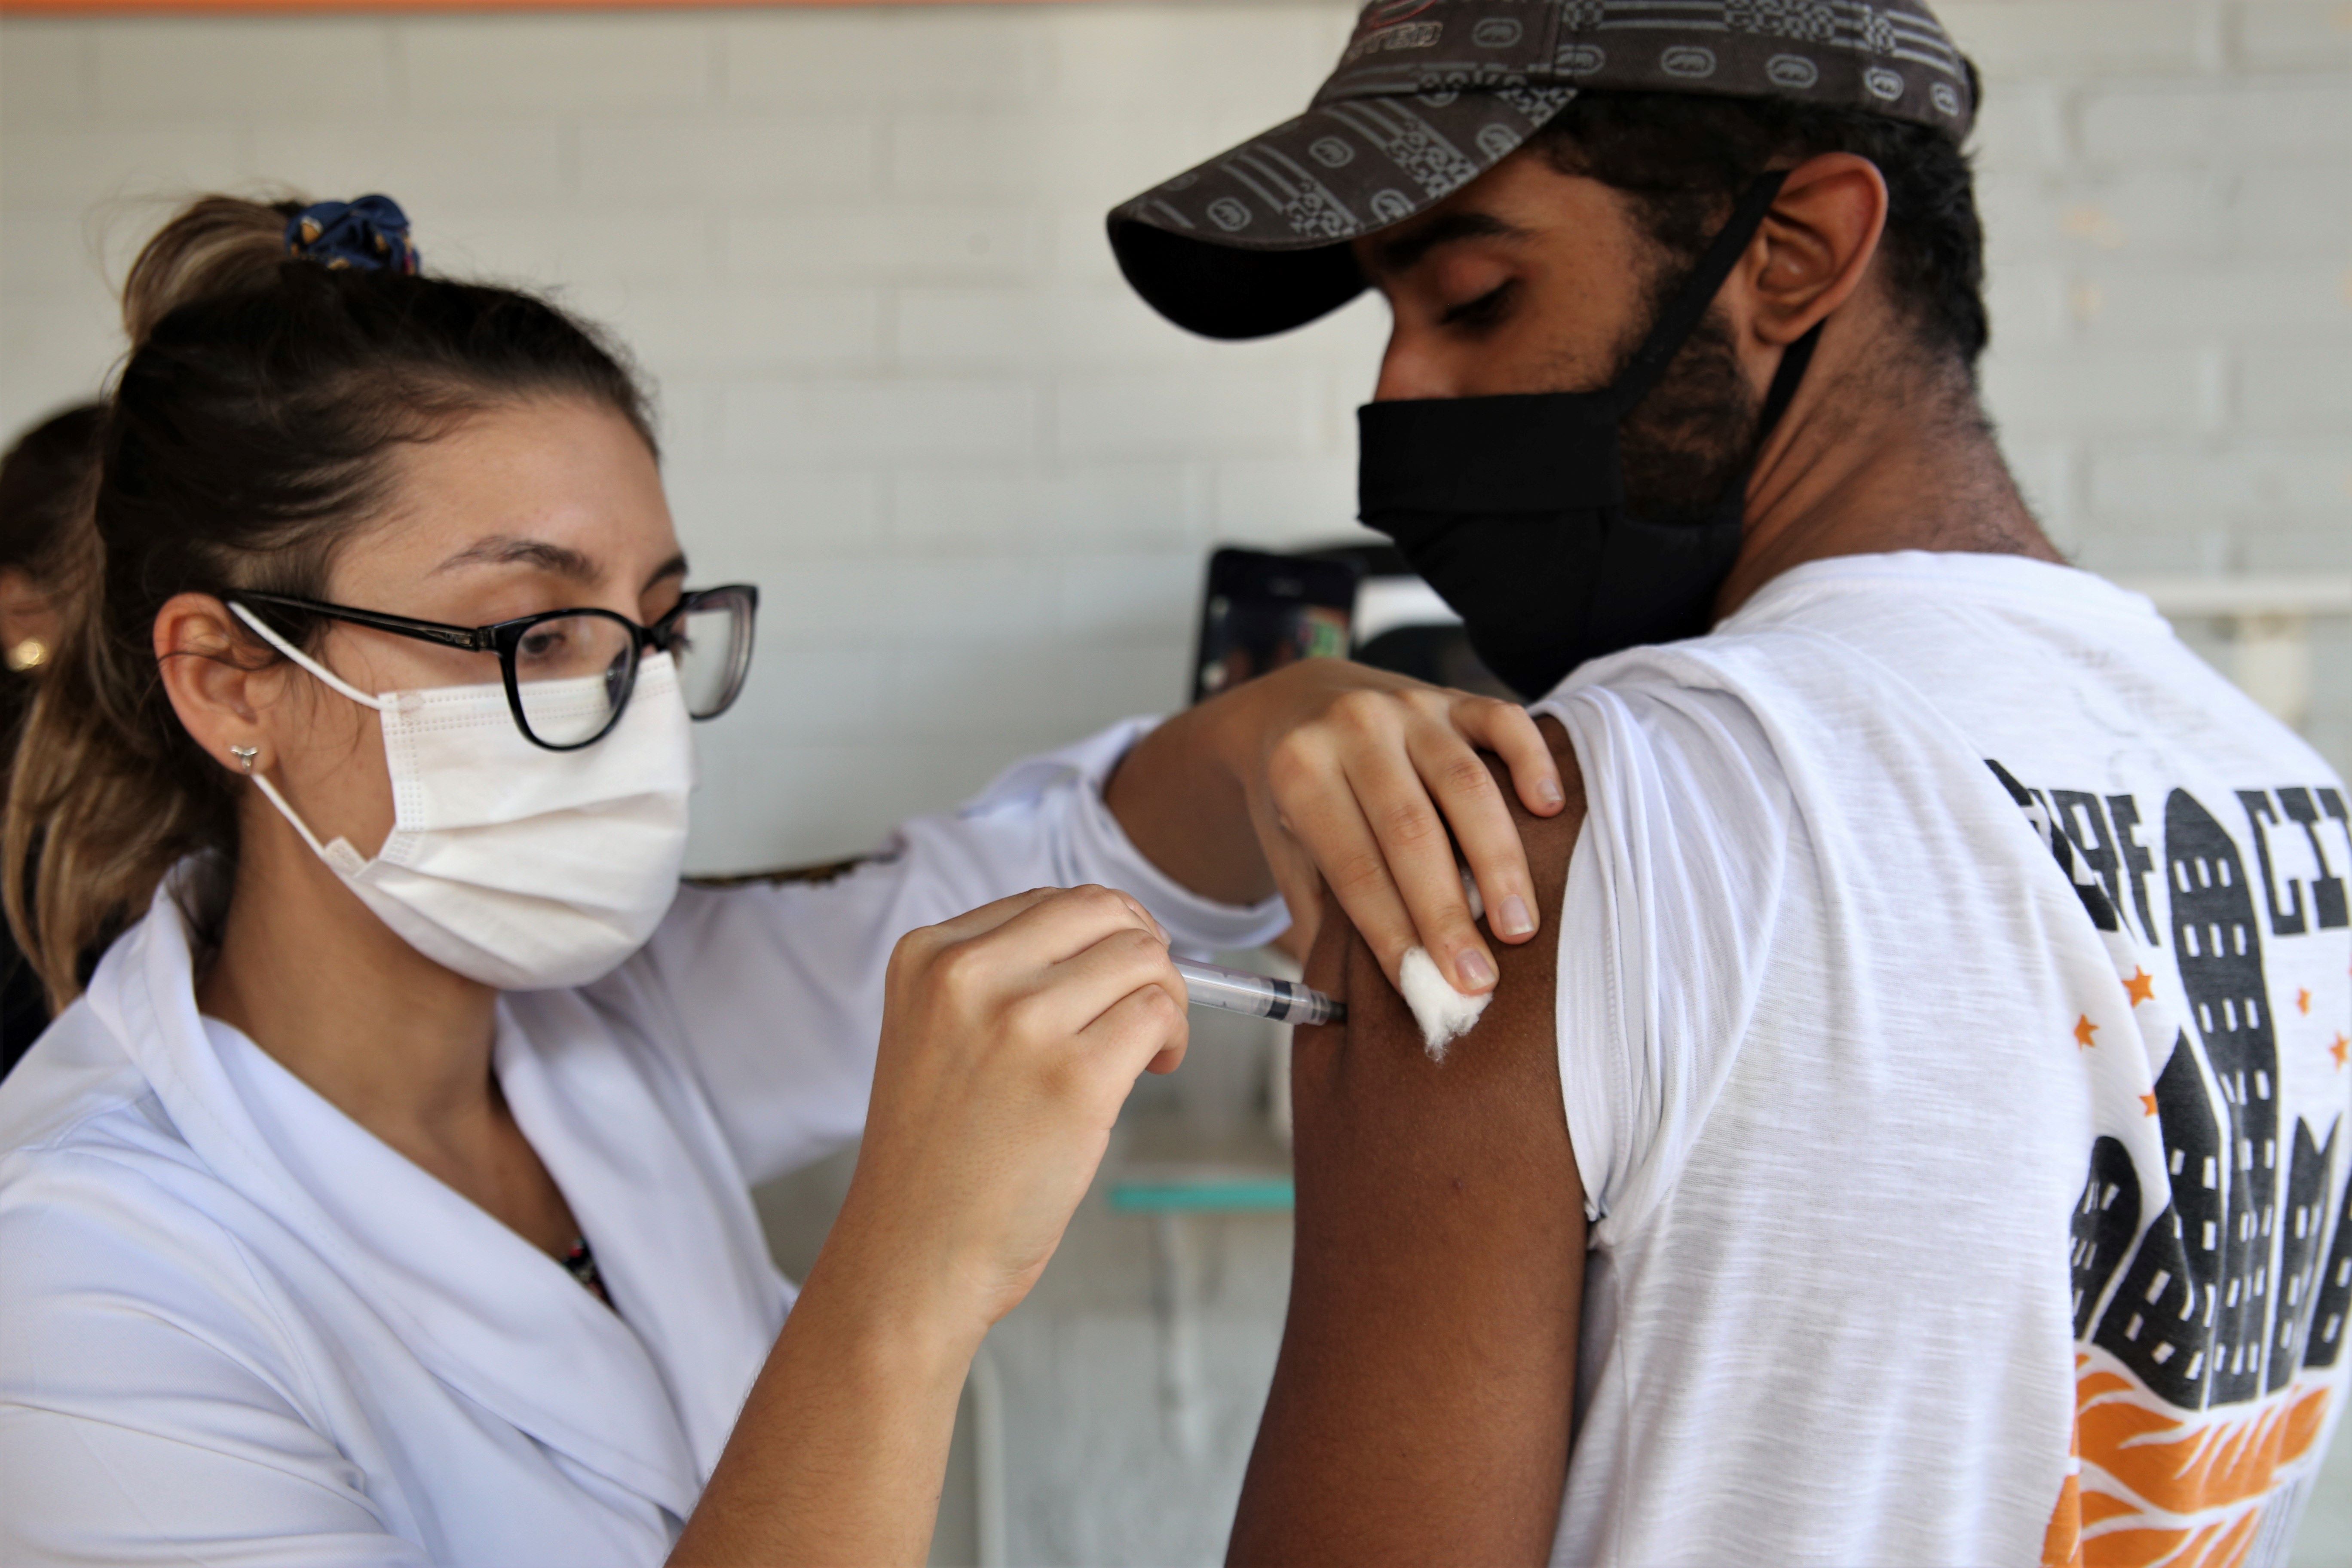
{"points": [[2098, 849], [2333, 804], [2044, 823], [2327, 888], [2137, 863], [2287, 921]]}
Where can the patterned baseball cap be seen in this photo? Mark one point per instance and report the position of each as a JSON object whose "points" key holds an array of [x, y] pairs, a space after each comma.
{"points": [[1431, 94]]}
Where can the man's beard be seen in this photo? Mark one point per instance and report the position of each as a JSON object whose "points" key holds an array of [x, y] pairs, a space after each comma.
{"points": [[1693, 437]]}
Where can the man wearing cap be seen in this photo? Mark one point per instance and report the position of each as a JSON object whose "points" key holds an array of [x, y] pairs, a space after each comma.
{"points": [[1927, 1138]]}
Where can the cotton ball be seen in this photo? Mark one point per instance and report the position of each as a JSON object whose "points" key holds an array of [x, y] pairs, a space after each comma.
{"points": [[1444, 1013]]}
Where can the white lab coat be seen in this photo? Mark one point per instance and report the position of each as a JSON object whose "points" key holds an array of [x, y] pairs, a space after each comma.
{"points": [[236, 1328]]}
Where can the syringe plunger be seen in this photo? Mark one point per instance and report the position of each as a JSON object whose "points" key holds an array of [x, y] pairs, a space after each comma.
{"points": [[1258, 995]]}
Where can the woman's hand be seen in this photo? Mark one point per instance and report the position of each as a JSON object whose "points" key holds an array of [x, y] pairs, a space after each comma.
{"points": [[1327, 772], [1010, 1038]]}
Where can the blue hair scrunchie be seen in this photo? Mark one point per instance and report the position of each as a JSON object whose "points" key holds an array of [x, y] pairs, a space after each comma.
{"points": [[370, 234]]}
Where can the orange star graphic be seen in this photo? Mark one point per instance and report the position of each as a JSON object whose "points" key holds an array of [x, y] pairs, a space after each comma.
{"points": [[2148, 1103], [2339, 1048], [2083, 1030], [2140, 986], [2302, 1003]]}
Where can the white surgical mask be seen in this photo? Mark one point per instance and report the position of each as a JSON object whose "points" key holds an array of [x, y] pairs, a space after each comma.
{"points": [[521, 867]]}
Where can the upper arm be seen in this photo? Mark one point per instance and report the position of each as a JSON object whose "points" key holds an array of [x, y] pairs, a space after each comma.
{"points": [[1422, 1404]]}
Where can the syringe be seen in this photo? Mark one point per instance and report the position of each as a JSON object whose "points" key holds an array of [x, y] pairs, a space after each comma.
{"points": [[1259, 995]]}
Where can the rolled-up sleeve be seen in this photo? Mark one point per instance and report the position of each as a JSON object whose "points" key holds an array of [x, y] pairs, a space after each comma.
{"points": [[1671, 900], [774, 991]]}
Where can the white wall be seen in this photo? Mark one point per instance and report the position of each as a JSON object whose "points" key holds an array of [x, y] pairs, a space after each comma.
{"points": [[860, 252], [2168, 197], [903, 389]]}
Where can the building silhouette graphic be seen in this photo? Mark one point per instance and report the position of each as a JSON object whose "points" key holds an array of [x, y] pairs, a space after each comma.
{"points": [[2160, 1323], [2302, 1224], [2331, 1303], [2245, 1276]]}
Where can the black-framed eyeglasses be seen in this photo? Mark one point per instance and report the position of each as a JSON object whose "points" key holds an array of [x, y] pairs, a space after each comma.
{"points": [[569, 673]]}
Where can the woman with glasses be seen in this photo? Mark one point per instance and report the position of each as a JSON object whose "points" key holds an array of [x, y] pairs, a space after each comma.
{"points": [[381, 1196]]}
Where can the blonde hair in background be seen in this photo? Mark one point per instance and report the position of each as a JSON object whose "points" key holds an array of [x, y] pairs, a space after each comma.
{"points": [[94, 816]]}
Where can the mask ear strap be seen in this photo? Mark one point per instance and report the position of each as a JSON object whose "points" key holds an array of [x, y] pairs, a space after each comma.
{"points": [[348, 861], [326, 676], [1683, 314], [1783, 391], [339, 854]]}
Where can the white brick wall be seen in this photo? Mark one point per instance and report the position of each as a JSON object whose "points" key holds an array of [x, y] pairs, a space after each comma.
{"points": [[861, 251], [2166, 186], [2167, 192]]}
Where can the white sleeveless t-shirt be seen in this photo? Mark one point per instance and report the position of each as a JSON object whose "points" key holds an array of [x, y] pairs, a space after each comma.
{"points": [[1955, 987]]}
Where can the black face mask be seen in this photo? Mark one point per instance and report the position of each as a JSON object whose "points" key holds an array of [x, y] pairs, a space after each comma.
{"points": [[1514, 508]]}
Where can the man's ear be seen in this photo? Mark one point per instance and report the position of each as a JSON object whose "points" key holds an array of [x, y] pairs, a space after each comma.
{"points": [[221, 682], [1816, 246]]}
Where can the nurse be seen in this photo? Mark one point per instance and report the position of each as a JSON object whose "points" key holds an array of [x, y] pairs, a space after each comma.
{"points": [[383, 1195]]}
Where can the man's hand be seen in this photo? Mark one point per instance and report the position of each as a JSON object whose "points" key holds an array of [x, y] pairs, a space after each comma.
{"points": [[1422, 1404], [1331, 773]]}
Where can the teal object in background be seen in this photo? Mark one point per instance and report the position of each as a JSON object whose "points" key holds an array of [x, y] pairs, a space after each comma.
{"points": [[1269, 1194]]}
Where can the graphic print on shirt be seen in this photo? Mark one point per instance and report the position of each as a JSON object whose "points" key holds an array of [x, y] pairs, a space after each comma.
{"points": [[2206, 1329]]}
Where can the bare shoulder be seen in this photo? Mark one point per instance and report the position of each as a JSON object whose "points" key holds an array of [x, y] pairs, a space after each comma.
{"points": [[1512, 1053], [1422, 1404], [1550, 839]]}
